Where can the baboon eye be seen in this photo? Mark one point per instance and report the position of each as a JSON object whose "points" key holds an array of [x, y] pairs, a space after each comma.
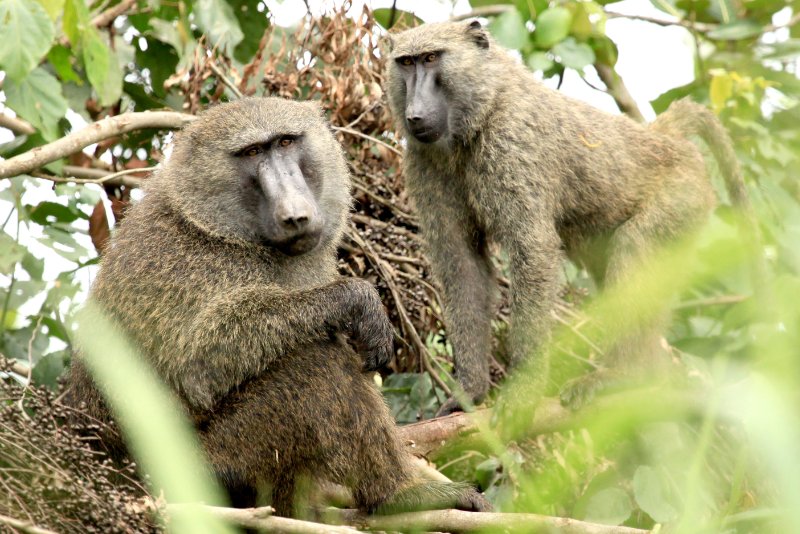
{"points": [[406, 61], [430, 58], [285, 141], [251, 151]]}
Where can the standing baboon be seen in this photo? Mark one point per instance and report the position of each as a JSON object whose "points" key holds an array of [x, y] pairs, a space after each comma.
{"points": [[494, 155], [224, 276]]}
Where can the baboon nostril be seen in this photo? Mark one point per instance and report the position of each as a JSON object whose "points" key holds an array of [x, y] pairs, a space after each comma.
{"points": [[296, 223], [413, 120]]}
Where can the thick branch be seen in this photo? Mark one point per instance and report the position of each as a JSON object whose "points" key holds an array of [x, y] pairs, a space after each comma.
{"points": [[262, 519], [616, 88], [93, 133], [16, 125], [460, 521], [642, 405], [107, 17], [23, 526]]}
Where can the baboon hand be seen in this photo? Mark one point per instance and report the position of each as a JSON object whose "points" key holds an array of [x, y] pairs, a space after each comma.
{"points": [[451, 405], [473, 501], [370, 329]]}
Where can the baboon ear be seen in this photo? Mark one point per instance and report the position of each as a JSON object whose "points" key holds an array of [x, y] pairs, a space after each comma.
{"points": [[386, 44], [478, 34]]}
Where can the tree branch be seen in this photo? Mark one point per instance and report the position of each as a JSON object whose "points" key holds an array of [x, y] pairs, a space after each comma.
{"points": [[618, 91], [23, 526], [107, 17], [484, 11], [647, 404], [16, 125], [93, 133], [460, 521], [262, 518]]}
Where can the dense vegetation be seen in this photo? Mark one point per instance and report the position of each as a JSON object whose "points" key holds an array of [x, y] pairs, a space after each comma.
{"points": [[718, 453]]}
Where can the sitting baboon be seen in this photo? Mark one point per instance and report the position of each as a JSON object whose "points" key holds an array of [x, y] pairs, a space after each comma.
{"points": [[493, 155], [224, 276]]}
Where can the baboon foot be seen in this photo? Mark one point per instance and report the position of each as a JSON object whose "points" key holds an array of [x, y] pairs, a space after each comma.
{"points": [[474, 501], [451, 405]]}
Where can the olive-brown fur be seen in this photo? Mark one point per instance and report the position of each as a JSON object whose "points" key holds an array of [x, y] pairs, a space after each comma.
{"points": [[252, 340], [541, 174]]}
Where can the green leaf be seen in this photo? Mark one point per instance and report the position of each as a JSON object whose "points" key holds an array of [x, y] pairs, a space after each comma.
{"points": [[253, 25], [739, 29], [651, 493], [509, 30], [552, 26], [102, 68], [54, 8], [11, 252], [61, 60], [48, 369], [26, 32], [539, 61], [588, 19], [161, 60], [668, 6], [38, 100], [76, 20], [46, 213], [33, 266], [574, 54], [402, 19], [611, 506], [216, 19]]}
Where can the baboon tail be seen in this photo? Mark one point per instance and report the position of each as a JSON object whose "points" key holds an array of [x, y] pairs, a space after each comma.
{"points": [[689, 118]]}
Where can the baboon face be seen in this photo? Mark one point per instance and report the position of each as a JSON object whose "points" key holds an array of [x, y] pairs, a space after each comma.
{"points": [[431, 91], [262, 170], [279, 189], [426, 106]]}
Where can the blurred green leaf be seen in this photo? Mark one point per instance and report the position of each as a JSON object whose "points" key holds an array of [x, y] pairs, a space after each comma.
{"points": [[539, 61], [573, 54], [48, 369], [610, 506], [61, 60], [54, 8], [253, 25], [26, 32], [76, 20], [651, 492], [509, 30], [47, 212], [552, 26], [11, 253], [402, 19], [739, 29], [33, 266], [38, 100], [102, 68], [216, 19]]}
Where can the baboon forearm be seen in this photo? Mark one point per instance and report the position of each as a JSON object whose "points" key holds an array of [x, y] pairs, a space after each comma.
{"points": [[259, 325]]}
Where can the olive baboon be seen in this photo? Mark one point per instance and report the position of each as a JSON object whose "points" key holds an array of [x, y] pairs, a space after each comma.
{"points": [[225, 278], [493, 155]]}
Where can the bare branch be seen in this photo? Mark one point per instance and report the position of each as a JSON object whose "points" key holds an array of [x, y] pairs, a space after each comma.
{"points": [[107, 17], [484, 11], [23, 526], [365, 136], [648, 404], [93, 133], [698, 26], [17, 366], [86, 175], [262, 519], [16, 125], [616, 88], [460, 521]]}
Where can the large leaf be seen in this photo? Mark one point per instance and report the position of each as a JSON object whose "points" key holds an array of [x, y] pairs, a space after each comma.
{"points": [[26, 33], [54, 8], [652, 494], [216, 19], [402, 19], [38, 100], [102, 68], [573, 54], [509, 30], [11, 252], [552, 26], [740, 29], [610, 506], [76, 20]]}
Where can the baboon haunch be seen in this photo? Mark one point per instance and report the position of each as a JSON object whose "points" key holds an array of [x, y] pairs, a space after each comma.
{"points": [[494, 155], [224, 276]]}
